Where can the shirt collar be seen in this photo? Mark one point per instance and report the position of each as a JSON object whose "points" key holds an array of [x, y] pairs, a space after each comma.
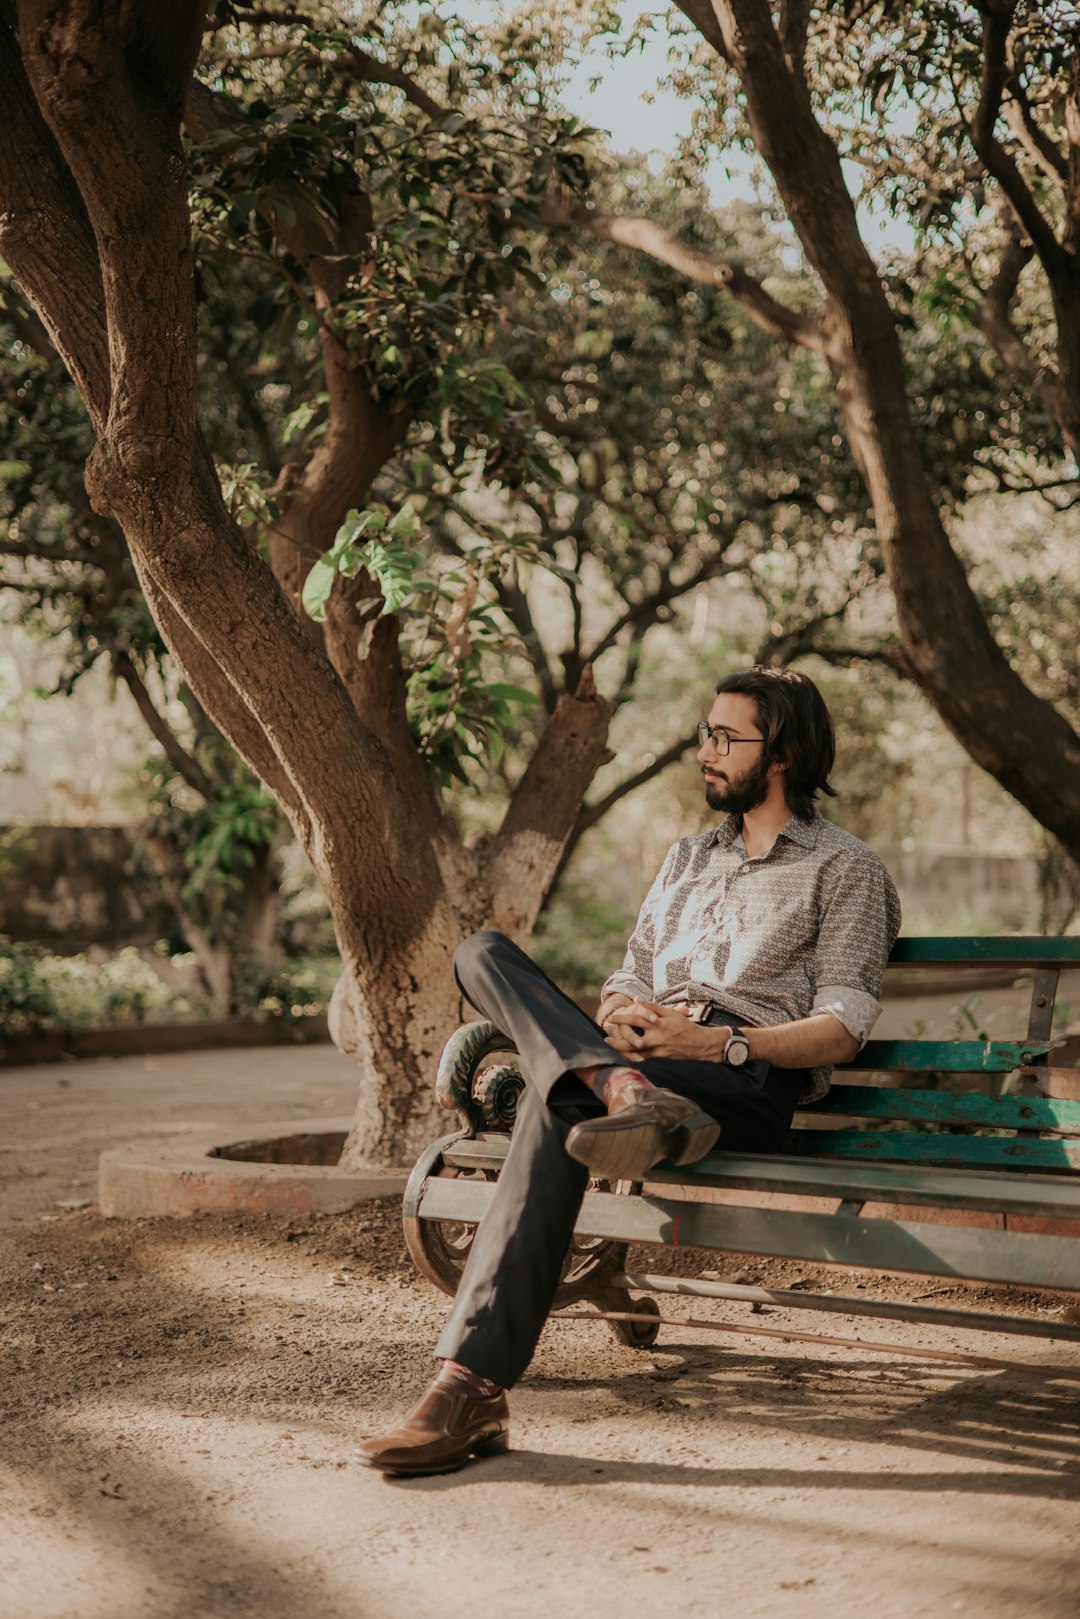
{"points": [[804, 833]]}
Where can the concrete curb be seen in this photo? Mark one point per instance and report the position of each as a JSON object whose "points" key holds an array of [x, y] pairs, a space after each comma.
{"points": [[285, 1168]]}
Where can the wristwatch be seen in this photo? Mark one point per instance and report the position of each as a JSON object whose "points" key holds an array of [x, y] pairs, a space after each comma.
{"points": [[737, 1050]]}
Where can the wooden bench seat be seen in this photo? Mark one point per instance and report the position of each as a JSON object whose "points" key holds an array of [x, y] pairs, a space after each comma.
{"points": [[959, 1125]]}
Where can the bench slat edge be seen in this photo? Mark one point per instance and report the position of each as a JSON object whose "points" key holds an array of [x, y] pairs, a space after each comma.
{"points": [[1013, 1258]]}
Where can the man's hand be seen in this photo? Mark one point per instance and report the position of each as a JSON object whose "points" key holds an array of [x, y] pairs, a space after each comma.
{"points": [[610, 1004], [643, 1029]]}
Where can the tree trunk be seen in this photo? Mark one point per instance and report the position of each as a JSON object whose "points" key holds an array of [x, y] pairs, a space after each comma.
{"points": [[398, 1028], [1014, 735], [261, 886], [399, 1022], [216, 966]]}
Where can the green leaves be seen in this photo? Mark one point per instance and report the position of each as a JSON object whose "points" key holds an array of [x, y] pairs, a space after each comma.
{"points": [[391, 561], [214, 841], [452, 633], [439, 240], [393, 566], [459, 716]]}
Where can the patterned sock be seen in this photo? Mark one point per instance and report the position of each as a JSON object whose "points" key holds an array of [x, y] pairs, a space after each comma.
{"points": [[610, 1084], [452, 1374]]}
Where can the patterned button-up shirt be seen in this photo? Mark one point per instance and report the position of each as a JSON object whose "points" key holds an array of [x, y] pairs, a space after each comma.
{"points": [[802, 929]]}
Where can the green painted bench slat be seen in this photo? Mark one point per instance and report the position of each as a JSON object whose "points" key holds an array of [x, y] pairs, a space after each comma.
{"points": [[972, 1254], [814, 1177], [946, 1056], [1015, 952], [1007, 1152], [972, 1108]]}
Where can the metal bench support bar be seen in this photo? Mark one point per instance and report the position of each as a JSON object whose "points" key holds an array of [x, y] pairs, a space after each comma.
{"points": [[883, 1309]]}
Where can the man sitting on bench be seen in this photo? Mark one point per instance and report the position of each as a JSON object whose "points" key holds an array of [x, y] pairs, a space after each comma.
{"points": [[756, 964]]}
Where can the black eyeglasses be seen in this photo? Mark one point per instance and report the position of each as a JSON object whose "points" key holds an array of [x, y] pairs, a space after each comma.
{"points": [[720, 739]]}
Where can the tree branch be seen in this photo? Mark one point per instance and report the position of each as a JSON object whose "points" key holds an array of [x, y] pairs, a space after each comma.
{"points": [[998, 162], [182, 762], [1022, 121], [794, 24], [357, 63], [893, 657], [162, 45], [993, 319], [632, 667], [45, 551], [360, 436], [93, 79], [515, 604], [647, 237], [701, 14], [1072, 176], [528, 849], [45, 236], [220, 700], [591, 813], [644, 612]]}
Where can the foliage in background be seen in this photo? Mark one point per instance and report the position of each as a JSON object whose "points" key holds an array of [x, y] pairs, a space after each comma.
{"points": [[41, 992], [214, 846]]}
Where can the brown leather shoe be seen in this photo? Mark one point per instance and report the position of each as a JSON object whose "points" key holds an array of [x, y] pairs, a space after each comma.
{"points": [[644, 1126], [444, 1431]]}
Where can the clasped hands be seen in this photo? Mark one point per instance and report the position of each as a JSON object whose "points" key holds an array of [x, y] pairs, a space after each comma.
{"points": [[640, 1029]]}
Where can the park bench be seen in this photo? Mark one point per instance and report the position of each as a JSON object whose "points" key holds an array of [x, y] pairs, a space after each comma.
{"points": [[934, 1127]]}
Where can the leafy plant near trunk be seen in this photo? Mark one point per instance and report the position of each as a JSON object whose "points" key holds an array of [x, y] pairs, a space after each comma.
{"points": [[216, 857]]}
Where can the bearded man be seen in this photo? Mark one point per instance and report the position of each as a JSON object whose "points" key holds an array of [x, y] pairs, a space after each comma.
{"points": [[755, 965]]}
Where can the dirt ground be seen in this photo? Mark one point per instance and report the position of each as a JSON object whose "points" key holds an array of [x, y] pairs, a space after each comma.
{"points": [[181, 1401]]}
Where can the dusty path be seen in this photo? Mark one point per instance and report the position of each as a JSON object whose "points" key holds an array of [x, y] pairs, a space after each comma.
{"points": [[181, 1399]]}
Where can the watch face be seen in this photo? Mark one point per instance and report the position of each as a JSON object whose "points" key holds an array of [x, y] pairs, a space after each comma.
{"points": [[737, 1051]]}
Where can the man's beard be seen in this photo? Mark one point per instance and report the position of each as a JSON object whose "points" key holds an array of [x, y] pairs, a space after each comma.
{"points": [[739, 797]]}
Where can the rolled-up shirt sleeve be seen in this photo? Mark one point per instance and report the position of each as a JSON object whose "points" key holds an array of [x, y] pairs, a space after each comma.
{"points": [[635, 976], [859, 925]]}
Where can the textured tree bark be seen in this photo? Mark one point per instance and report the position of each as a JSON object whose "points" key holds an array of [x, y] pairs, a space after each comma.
{"points": [[540, 821]]}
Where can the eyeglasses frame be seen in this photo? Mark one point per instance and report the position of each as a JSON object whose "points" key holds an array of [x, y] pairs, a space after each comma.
{"points": [[709, 734]]}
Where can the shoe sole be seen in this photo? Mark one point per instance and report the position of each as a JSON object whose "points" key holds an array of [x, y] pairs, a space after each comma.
{"points": [[614, 1155], [496, 1446], [628, 1154]]}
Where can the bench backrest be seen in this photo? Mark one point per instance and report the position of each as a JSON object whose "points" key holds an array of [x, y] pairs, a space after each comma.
{"points": [[994, 1118]]}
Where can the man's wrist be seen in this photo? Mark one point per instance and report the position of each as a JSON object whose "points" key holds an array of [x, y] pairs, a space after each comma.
{"points": [[714, 1042], [756, 1039]]}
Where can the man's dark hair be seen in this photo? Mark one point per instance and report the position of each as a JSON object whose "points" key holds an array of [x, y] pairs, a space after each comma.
{"points": [[797, 728]]}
